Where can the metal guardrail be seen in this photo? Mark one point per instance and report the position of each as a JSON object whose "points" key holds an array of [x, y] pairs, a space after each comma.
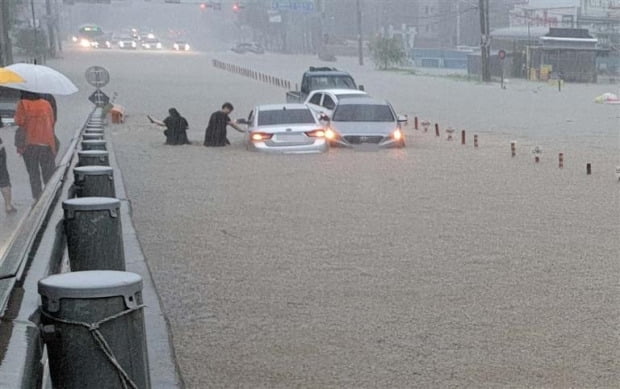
{"points": [[34, 251], [37, 250]]}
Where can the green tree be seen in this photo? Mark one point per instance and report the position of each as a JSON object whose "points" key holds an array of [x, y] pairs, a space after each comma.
{"points": [[386, 52]]}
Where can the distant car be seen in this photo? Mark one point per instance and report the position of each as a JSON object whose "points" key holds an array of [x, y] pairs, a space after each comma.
{"points": [[249, 47], [127, 42], [285, 128], [102, 42], [364, 120], [325, 100], [181, 46], [151, 44]]}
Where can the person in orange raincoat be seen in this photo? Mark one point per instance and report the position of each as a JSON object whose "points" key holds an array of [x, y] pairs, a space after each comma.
{"points": [[35, 116]]}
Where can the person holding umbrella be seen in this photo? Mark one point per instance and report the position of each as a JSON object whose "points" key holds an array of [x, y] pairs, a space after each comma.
{"points": [[36, 117]]}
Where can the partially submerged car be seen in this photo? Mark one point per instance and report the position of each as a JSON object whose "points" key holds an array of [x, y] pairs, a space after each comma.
{"points": [[363, 120], [285, 128]]}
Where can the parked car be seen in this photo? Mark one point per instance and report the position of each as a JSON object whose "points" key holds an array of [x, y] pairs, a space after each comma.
{"points": [[181, 46], [127, 42], [324, 101], [151, 44], [285, 128], [364, 120], [248, 47]]}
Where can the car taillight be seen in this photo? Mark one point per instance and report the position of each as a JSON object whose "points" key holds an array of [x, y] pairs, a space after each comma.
{"points": [[320, 133], [397, 134], [260, 136]]}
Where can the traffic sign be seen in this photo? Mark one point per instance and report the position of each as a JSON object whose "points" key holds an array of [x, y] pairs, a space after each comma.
{"points": [[99, 98], [97, 76]]}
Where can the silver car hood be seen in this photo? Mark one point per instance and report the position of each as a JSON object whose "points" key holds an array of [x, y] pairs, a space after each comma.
{"points": [[364, 128]]}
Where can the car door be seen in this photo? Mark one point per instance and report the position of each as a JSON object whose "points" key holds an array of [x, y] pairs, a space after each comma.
{"points": [[314, 103], [328, 104]]}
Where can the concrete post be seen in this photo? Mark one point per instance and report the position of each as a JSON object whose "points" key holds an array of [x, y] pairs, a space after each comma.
{"points": [[94, 233], [92, 136], [94, 181], [94, 145], [93, 325], [91, 130], [93, 158]]}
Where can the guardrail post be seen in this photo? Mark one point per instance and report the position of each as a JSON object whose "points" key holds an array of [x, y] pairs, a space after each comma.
{"points": [[93, 158], [93, 325], [94, 233], [94, 145], [94, 181], [92, 136], [91, 130]]}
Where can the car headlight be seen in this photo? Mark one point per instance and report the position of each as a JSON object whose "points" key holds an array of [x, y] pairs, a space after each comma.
{"points": [[133, 44], [397, 134], [84, 43], [176, 46], [158, 45], [186, 47], [330, 134]]}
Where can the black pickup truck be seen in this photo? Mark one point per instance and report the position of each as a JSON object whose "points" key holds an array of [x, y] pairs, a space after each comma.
{"points": [[321, 78]]}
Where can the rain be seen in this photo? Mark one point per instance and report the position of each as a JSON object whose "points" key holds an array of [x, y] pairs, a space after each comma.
{"points": [[407, 193]]}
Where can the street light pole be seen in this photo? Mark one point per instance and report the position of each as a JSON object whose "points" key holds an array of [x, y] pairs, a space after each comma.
{"points": [[360, 51]]}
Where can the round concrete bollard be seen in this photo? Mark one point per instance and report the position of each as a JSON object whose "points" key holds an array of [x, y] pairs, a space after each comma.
{"points": [[96, 144], [93, 158], [92, 136], [94, 233], [93, 325], [94, 181]]}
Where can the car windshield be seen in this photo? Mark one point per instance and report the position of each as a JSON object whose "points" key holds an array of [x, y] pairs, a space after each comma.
{"points": [[331, 82], [285, 116], [363, 113]]}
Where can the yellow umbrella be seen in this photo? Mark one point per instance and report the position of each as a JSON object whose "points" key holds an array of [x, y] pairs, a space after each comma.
{"points": [[7, 76]]}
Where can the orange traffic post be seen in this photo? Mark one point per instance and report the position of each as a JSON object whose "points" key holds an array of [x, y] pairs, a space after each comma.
{"points": [[462, 137], [513, 148], [561, 160], [436, 129], [475, 140]]}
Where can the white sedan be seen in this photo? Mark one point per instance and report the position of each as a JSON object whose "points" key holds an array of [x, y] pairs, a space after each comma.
{"points": [[324, 101], [284, 128]]}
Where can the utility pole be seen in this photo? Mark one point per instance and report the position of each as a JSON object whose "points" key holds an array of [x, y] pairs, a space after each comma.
{"points": [[360, 51], [50, 28], [6, 57], [484, 40]]}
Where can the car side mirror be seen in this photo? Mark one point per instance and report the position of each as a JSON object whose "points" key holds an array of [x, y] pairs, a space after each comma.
{"points": [[403, 118], [361, 87], [324, 117], [243, 121]]}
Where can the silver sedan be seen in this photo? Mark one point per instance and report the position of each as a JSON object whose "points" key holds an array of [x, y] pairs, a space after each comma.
{"points": [[284, 128], [358, 121]]}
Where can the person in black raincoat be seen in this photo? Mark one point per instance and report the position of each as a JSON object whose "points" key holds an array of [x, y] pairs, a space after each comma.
{"points": [[215, 134], [176, 128]]}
